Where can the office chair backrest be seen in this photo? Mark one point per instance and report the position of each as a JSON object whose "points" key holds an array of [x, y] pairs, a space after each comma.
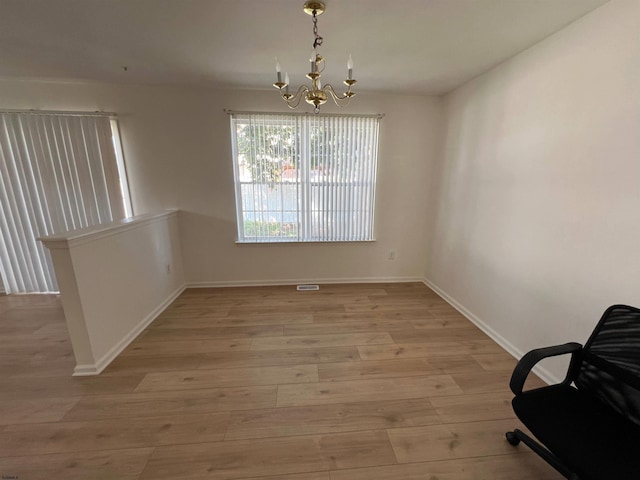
{"points": [[610, 366]]}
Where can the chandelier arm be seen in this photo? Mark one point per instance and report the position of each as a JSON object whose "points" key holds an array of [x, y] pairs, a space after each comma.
{"points": [[294, 100], [338, 99]]}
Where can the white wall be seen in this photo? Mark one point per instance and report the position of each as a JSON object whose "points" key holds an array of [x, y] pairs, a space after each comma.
{"points": [[405, 158], [177, 149], [535, 226], [114, 280]]}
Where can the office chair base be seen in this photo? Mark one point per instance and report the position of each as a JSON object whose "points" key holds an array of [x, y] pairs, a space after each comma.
{"points": [[517, 436], [512, 438]]}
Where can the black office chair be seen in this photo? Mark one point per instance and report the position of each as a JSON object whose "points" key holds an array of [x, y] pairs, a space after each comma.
{"points": [[588, 426]]}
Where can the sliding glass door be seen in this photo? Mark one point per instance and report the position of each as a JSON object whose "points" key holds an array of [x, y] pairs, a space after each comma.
{"points": [[58, 172]]}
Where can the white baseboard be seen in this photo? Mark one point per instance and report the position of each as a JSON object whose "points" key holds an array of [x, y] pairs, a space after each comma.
{"points": [[543, 373], [86, 370], [95, 368], [266, 283]]}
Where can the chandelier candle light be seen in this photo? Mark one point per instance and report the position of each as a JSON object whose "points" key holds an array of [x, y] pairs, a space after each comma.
{"points": [[317, 94]]}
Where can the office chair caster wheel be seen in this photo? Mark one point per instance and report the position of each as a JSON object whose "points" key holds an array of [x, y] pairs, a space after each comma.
{"points": [[512, 438]]}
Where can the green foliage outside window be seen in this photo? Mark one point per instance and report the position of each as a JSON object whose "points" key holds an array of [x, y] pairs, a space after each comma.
{"points": [[269, 229]]}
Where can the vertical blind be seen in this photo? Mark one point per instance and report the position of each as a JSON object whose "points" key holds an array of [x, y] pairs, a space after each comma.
{"points": [[304, 178], [57, 173]]}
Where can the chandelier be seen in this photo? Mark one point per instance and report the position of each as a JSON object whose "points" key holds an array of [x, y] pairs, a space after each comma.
{"points": [[317, 94]]}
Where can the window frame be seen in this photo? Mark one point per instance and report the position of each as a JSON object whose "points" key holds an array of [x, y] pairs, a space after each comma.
{"points": [[304, 182]]}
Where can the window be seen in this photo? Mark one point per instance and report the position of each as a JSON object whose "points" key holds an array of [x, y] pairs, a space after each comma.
{"points": [[303, 178], [58, 172]]}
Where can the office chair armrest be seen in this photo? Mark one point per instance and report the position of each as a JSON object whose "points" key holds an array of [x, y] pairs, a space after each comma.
{"points": [[527, 362]]}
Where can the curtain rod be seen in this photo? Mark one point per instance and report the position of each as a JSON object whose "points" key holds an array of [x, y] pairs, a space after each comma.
{"points": [[305, 114], [61, 112]]}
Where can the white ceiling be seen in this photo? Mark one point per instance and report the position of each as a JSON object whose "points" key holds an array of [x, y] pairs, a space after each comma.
{"points": [[401, 46]]}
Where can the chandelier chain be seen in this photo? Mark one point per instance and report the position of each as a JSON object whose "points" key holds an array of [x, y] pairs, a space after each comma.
{"points": [[318, 39]]}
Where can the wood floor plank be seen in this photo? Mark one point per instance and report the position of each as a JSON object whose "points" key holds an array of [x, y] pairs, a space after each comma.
{"points": [[453, 334], [343, 317], [65, 386], [451, 364], [34, 344], [30, 301], [450, 441], [409, 367], [102, 465], [297, 302], [498, 467], [476, 407], [483, 382], [229, 377], [196, 345], [56, 330], [354, 326], [272, 456], [32, 316], [496, 381], [327, 307], [332, 418], [112, 434], [39, 365], [415, 307], [403, 298], [425, 350], [363, 390], [24, 330], [271, 309], [487, 382], [183, 308], [153, 404], [299, 356], [254, 319], [36, 410], [163, 334], [315, 341], [141, 364], [496, 362], [47, 333]]}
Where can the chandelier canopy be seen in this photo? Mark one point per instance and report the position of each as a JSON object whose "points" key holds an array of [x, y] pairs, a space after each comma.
{"points": [[317, 94]]}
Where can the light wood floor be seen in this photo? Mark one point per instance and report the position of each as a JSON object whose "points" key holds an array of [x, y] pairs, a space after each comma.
{"points": [[354, 382]]}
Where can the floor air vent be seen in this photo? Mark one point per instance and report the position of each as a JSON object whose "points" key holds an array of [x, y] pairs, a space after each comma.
{"points": [[304, 288]]}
